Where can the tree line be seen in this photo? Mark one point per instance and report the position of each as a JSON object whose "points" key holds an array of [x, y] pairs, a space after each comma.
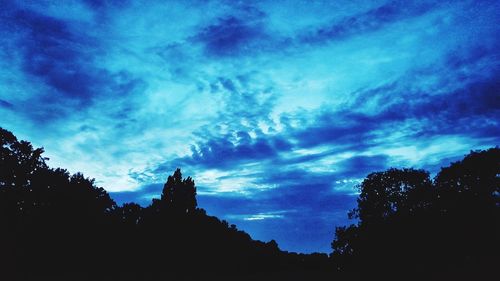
{"points": [[61, 226]]}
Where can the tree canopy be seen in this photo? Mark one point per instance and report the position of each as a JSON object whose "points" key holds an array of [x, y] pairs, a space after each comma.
{"points": [[406, 222]]}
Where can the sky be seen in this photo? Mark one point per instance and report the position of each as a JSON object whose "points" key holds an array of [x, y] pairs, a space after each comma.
{"points": [[277, 109]]}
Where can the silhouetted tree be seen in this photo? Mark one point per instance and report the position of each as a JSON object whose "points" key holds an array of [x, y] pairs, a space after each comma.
{"points": [[179, 195], [385, 194], [47, 215], [130, 214], [407, 223]]}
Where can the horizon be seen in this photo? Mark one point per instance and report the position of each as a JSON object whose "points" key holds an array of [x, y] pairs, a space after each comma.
{"points": [[276, 111]]}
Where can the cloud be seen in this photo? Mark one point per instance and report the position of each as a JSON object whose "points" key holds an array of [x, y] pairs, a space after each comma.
{"points": [[363, 165], [369, 21], [274, 214], [142, 196], [229, 36], [6, 104], [233, 150], [51, 52], [60, 60]]}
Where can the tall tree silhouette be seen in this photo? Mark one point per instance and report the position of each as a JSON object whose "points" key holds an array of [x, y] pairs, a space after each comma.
{"points": [[179, 195]]}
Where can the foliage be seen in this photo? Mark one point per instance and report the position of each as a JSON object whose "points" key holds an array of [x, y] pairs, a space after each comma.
{"points": [[407, 222]]}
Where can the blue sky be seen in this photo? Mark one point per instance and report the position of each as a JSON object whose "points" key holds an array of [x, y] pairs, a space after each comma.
{"points": [[277, 109]]}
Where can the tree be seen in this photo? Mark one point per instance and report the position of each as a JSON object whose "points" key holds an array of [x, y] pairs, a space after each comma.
{"points": [[179, 195], [475, 178], [18, 160], [410, 224], [395, 191], [130, 214], [47, 214]]}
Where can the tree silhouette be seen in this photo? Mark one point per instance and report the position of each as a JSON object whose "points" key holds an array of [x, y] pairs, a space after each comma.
{"points": [[385, 194], [410, 224], [46, 215], [179, 195]]}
